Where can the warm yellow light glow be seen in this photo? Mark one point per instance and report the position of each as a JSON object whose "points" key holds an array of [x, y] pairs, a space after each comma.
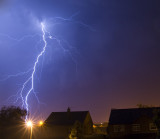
{"points": [[40, 123], [29, 124]]}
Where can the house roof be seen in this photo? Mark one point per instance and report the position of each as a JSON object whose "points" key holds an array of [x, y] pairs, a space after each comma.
{"points": [[128, 116], [66, 118]]}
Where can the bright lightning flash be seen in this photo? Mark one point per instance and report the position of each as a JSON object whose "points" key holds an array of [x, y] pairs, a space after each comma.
{"points": [[24, 91], [31, 78], [34, 69]]}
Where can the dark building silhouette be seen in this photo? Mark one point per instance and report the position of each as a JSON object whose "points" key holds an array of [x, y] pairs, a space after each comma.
{"points": [[133, 123], [68, 124]]}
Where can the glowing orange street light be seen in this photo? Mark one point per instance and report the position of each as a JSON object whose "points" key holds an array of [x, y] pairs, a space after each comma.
{"points": [[30, 125], [40, 123]]}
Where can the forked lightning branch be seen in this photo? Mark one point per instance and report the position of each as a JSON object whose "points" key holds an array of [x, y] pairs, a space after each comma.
{"points": [[28, 86]]}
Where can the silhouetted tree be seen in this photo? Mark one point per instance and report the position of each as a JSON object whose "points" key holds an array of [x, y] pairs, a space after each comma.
{"points": [[76, 131], [11, 119], [144, 106]]}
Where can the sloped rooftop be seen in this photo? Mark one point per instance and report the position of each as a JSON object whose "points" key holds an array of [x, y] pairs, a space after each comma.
{"points": [[66, 118], [128, 116]]}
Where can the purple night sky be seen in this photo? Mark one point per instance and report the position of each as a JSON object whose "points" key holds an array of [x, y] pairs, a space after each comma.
{"points": [[107, 54]]}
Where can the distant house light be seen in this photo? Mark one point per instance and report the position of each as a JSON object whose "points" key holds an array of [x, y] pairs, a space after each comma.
{"points": [[40, 123], [152, 127]]}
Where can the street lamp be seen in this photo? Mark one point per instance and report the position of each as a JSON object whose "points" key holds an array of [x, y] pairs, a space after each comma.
{"points": [[40, 123], [30, 125]]}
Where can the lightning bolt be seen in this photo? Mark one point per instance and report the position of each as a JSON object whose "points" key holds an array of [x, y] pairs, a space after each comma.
{"points": [[20, 39], [30, 79], [34, 71], [24, 92]]}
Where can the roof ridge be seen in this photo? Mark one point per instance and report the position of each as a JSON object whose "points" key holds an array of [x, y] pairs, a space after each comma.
{"points": [[70, 111], [128, 116], [65, 118], [134, 108]]}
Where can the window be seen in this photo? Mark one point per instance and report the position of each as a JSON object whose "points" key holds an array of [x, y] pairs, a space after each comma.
{"points": [[136, 127], [152, 127], [118, 128]]}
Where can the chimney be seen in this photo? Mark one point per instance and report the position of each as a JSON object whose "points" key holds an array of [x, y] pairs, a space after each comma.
{"points": [[68, 110], [68, 113]]}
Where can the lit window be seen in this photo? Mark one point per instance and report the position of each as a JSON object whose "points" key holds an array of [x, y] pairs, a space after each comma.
{"points": [[136, 127], [118, 128], [152, 126]]}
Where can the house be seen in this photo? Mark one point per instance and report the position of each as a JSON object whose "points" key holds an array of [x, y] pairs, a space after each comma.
{"points": [[133, 123], [68, 124]]}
